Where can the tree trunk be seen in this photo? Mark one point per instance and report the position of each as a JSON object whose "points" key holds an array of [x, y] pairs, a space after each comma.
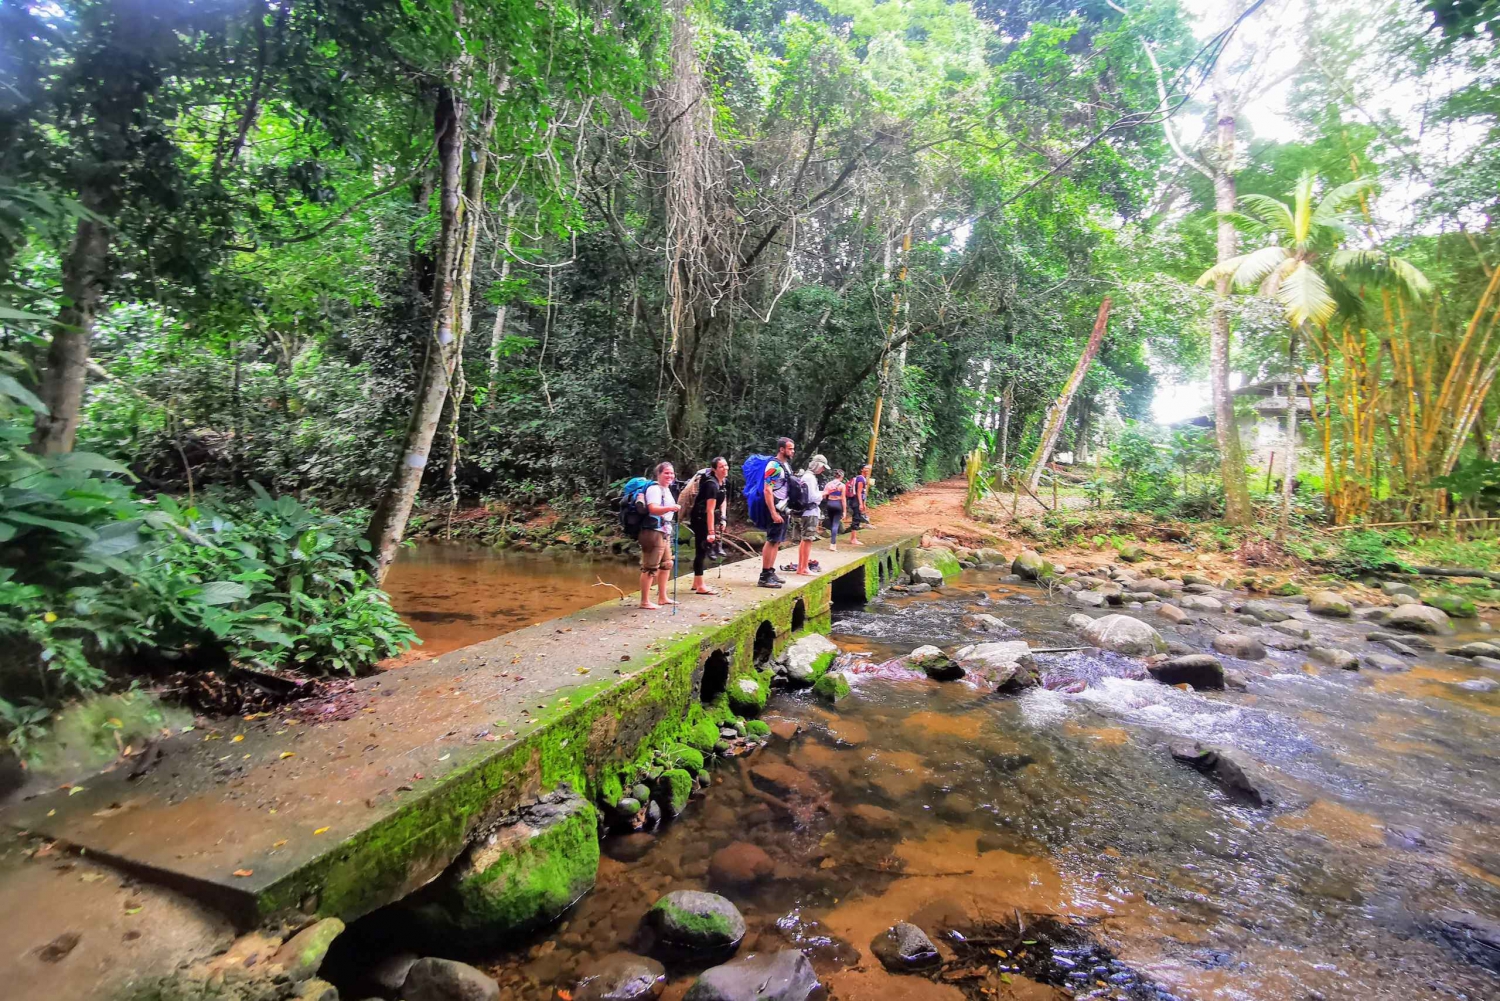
{"points": [[1053, 424], [497, 332], [68, 354], [1081, 448], [388, 523], [1237, 509], [1289, 453]]}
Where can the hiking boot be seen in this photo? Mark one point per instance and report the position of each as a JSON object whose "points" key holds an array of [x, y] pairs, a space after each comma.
{"points": [[769, 579]]}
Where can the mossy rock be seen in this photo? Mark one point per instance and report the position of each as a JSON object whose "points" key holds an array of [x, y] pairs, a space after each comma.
{"points": [[702, 735], [1456, 607], [1286, 589], [674, 788], [527, 872], [748, 695], [683, 756], [757, 728], [695, 921], [941, 560], [832, 687]]}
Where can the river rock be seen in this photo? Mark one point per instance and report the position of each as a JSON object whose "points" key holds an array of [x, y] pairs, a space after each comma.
{"points": [[1002, 664], [620, 976], [1329, 603], [747, 696], [833, 686], [1293, 628], [1079, 621], [912, 588], [1239, 646], [1124, 634], [1088, 599], [1172, 613], [301, 955], [1475, 650], [1386, 663], [446, 980], [1334, 657], [1478, 685], [1391, 588], [1133, 554], [904, 947], [989, 556], [531, 867], [872, 819], [933, 662], [1200, 603], [1198, 669], [934, 558], [1192, 579], [1488, 663], [1456, 607], [785, 975], [740, 864], [808, 657], [1265, 611], [783, 780], [1238, 774], [1030, 566], [1275, 640], [1419, 619], [694, 921], [1160, 588], [931, 576], [1472, 936], [983, 623]]}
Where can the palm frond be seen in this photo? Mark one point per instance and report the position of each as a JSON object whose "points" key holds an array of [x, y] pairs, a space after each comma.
{"points": [[1381, 270], [1302, 207], [1347, 301], [1276, 215], [1246, 224], [1332, 204], [1256, 265], [1305, 296], [1224, 269]]}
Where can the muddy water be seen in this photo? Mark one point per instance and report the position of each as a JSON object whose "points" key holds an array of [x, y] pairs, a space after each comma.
{"points": [[1073, 856], [456, 594]]}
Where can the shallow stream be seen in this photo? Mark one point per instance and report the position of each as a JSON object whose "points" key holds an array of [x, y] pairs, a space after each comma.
{"points": [[1059, 849]]}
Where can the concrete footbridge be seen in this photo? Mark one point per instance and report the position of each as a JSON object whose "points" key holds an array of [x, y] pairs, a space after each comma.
{"points": [[340, 807]]}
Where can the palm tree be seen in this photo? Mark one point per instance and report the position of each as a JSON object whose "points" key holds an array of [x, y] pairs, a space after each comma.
{"points": [[1307, 270]]}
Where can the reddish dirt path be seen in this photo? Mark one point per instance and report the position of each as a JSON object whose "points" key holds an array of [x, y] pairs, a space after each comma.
{"points": [[938, 509]]}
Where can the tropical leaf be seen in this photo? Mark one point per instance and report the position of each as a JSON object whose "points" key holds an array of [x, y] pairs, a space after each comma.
{"points": [[1258, 264], [1305, 295], [1302, 208], [116, 538], [221, 592], [61, 527], [1330, 207], [1275, 215], [10, 387]]}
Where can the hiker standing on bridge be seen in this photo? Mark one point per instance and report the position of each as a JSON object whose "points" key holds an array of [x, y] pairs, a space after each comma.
{"points": [[707, 515], [774, 485], [656, 536], [809, 514], [859, 493]]}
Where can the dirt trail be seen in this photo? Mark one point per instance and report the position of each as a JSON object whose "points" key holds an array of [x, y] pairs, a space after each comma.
{"points": [[938, 509]]}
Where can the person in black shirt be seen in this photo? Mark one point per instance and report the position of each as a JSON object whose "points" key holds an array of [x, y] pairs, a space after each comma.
{"points": [[707, 519]]}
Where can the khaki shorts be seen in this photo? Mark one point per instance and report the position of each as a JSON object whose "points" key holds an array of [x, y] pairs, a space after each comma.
{"points": [[805, 528], [655, 553]]}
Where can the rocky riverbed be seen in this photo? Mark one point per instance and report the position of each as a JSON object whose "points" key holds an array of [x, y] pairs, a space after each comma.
{"points": [[1115, 783]]}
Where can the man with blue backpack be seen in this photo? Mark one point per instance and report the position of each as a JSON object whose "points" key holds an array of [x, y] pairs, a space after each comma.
{"points": [[767, 482]]}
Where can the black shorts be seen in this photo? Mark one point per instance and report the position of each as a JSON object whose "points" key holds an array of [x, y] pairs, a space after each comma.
{"points": [[776, 531]]}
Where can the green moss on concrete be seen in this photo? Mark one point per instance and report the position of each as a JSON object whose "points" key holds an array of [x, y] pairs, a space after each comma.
{"points": [[831, 687], [677, 787], [510, 888]]}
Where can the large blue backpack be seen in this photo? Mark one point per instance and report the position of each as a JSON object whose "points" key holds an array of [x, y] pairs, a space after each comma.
{"points": [[633, 515], [754, 470]]}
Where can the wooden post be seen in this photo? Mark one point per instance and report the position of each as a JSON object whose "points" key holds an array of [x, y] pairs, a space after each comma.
{"points": [[1057, 413]]}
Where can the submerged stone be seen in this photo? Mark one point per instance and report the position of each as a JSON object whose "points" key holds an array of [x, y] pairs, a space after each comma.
{"points": [[531, 867], [694, 921], [1237, 773], [446, 980], [904, 947], [739, 864], [786, 975], [620, 976]]}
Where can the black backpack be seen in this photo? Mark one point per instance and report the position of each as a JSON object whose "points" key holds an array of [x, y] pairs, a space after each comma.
{"points": [[796, 494]]}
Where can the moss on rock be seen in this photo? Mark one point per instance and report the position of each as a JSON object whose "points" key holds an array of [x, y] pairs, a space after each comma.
{"points": [[683, 756], [832, 687], [676, 786], [748, 694], [757, 728]]}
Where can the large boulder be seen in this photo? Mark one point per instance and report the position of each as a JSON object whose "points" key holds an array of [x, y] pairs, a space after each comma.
{"points": [[1240, 646], [904, 947], [1029, 565], [1196, 669], [1006, 664], [1456, 607], [1419, 619], [936, 664], [1265, 611], [808, 657], [446, 980], [1126, 635], [786, 975], [1329, 603], [691, 921], [940, 560], [531, 867], [620, 976]]}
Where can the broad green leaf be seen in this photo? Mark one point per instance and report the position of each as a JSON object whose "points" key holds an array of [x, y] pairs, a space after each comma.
{"points": [[10, 387], [221, 592], [74, 529]]}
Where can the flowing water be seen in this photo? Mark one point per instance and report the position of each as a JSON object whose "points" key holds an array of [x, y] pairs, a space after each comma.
{"points": [[455, 594], [1057, 849]]}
